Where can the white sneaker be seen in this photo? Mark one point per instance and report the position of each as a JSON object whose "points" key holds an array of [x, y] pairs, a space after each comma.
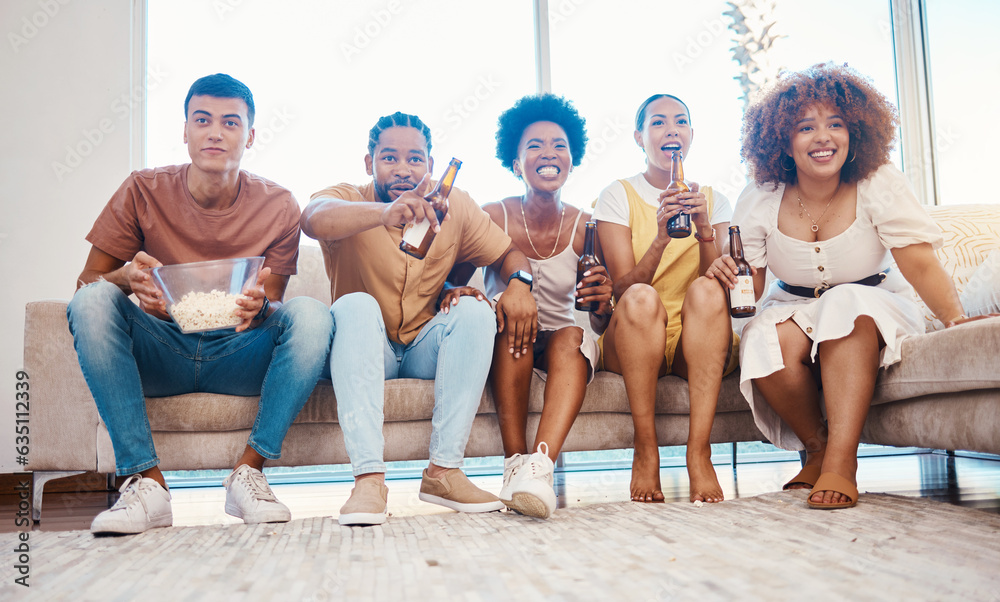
{"points": [[248, 496], [143, 504], [530, 488], [509, 466]]}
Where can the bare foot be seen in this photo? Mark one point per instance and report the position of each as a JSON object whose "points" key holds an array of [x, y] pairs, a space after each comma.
{"points": [[704, 482], [645, 485]]}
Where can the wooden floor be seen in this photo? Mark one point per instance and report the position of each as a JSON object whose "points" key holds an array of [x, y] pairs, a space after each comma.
{"points": [[965, 481]]}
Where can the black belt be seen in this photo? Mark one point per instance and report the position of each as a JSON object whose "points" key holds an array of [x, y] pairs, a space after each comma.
{"points": [[805, 291]]}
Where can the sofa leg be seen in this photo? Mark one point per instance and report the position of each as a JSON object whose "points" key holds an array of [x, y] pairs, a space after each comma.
{"points": [[38, 481]]}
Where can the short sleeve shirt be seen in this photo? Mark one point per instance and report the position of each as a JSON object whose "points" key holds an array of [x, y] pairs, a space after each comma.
{"points": [[888, 216], [405, 287], [612, 204], [153, 211]]}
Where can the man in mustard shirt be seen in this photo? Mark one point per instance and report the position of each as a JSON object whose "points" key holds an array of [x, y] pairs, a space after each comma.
{"points": [[387, 322]]}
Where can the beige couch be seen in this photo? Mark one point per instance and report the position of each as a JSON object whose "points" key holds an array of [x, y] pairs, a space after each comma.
{"points": [[944, 394]]}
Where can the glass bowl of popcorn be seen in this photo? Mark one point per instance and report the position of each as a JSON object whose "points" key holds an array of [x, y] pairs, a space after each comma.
{"points": [[201, 296]]}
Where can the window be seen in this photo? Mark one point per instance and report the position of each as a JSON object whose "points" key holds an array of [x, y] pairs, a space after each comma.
{"points": [[609, 57], [323, 72], [964, 64]]}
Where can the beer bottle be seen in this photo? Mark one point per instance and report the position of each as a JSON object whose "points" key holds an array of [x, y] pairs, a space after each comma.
{"points": [[587, 260], [418, 237], [679, 226], [741, 299]]}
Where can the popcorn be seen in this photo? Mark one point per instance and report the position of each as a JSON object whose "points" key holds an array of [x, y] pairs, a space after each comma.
{"points": [[206, 311]]}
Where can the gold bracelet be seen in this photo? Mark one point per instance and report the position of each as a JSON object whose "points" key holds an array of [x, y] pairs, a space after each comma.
{"points": [[700, 239]]}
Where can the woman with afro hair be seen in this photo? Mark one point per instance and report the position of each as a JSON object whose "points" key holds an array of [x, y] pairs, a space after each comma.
{"points": [[669, 319], [828, 214], [540, 140]]}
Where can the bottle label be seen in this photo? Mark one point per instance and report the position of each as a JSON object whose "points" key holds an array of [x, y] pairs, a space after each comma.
{"points": [[414, 235], [742, 295]]}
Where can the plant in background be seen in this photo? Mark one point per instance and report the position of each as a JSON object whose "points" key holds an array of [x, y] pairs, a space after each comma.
{"points": [[752, 25]]}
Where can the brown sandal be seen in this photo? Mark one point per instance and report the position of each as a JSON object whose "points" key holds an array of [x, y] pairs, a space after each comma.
{"points": [[831, 481], [807, 476]]}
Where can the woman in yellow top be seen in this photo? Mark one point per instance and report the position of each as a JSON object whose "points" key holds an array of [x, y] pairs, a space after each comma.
{"points": [[656, 282]]}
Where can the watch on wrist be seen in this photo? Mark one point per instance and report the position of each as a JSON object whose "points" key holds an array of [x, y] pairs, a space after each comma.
{"points": [[523, 276]]}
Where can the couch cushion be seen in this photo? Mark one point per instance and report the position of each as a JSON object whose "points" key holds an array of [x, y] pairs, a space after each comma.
{"points": [[311, 279], [607, 394], [406, 399], [961, 358], [411, 399]]}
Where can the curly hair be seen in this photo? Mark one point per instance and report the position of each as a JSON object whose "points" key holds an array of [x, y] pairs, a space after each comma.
{"points": [[767, 125], [532, 109]]}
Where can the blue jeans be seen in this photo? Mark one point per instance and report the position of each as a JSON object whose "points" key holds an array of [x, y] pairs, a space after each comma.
{"points": [[127, 355], [453, 349]]}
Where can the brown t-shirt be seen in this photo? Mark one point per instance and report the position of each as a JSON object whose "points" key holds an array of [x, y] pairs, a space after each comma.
{"points": [[153, 211], [405, 287]]}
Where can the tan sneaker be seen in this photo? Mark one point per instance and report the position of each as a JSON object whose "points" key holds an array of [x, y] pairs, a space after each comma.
{"points": [[367, 504], [454, 490]]}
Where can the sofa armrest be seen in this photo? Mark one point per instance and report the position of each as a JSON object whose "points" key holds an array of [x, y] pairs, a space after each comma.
{"points": [[64, 419]]}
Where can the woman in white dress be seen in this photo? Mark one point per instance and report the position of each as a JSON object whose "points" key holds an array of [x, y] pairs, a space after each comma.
{"points": [[827, 214]]}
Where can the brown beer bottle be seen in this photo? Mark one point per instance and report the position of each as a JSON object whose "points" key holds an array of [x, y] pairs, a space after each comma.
{"points": [[418, 236], [679, 226], [742, 303], [587, 260]]}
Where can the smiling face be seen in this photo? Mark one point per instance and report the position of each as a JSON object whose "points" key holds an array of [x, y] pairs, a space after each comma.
{"points": [[666, 128], [217, 132], [398, 162], [820, 142], [543, 157]]}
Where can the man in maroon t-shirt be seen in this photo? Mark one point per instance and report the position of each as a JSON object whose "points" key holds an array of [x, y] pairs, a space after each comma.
{"points": [[208, 209]]}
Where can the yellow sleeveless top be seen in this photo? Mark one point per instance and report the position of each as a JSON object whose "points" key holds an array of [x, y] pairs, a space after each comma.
{"points": [[678, 267]]}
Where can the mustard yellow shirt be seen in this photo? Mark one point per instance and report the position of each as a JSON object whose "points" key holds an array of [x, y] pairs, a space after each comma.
{"points": [[405, 287]]}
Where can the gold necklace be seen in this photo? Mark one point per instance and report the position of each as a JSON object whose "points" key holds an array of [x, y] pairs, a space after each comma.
{"points": [[815, 226], [528, 234]]}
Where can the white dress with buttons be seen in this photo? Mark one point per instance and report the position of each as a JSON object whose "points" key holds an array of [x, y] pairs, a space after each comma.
{"points": [[888, 216]]}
